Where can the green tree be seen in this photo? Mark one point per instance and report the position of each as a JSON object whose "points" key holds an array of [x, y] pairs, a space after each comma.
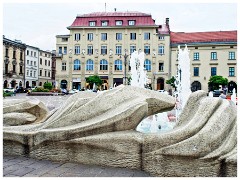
{"points": [[215, 81], [94, 79], [171, 81], [47, 85]]}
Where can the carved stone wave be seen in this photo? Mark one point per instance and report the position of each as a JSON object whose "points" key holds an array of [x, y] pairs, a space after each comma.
{"points": [[99, 128]]}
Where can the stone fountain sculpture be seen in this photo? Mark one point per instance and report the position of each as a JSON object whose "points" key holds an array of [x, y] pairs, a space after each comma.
{"points": [[98, 128]]}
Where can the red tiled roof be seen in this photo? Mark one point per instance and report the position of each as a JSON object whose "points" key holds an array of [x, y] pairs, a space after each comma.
{"points": [[141, 19], [214, 36]]}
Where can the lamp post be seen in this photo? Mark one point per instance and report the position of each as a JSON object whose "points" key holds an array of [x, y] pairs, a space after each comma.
{"points": [[125, 65]]}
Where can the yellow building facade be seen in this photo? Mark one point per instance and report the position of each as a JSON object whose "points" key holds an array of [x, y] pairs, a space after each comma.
{"points": [[105, 48]]}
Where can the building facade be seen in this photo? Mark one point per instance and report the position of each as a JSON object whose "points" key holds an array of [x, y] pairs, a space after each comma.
{"points": [[13, 63], [211, 53], [45, 68], [101, 44], [31, 68]]}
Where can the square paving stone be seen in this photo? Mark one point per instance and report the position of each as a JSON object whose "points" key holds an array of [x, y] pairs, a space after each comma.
{"points": [[22, 171]]}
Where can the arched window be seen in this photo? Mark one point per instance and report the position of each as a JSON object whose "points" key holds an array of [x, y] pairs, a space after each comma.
{"points": [[118, 65], [89, 65], [103, 64], [196, 85], [77, 65], [147, 65]]}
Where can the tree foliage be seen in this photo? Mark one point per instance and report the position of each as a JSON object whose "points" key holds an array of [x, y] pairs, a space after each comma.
{"points": [[215, 81], [94, 79], [47, 85], [171, 81]]}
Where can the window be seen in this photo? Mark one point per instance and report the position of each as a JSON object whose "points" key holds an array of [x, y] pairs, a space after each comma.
{"points": [[213, 71], [34, 63], [213, 55], [132, 49], [65, 50], [27, 52], [28, 62], [64, 39], [90, 36], [147, 65], [103, 49], [49, 63], [118, 50], [231, 56], [103, 65], [6, 52], [77, 65], [119, 23], [161, 67], [34, 73], [27, 72], [6, 68], [77, 49], [89, 65], [45, 62], [161, 37], [14, 54], [20, 69], [35, 54], [132, 36], [161, 50], [21, 55], [31, 63], [48, 73], [131, 23], [77, 36], [118, 65], [31, 73], [196, 56], [231, 71], [90, 49], [103, 36], [196, 71], [147, 49], [45, 73], [31, 53], [92, 23], [64, 66], [40, 72], [146, 36], [104, 23], [40, 60], [118, 36], [60, 50], [14, 68], [45, 55]]}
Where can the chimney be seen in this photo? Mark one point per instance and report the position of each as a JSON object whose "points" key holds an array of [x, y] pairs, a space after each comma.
{"points": [[167, 21]]}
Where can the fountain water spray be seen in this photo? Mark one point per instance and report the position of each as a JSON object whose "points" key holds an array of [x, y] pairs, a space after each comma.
{"points": [[182, 82], [138, 74], [233, 96]]}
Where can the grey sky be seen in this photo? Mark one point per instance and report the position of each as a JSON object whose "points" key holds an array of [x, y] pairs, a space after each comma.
{"points": [[38, 24]]}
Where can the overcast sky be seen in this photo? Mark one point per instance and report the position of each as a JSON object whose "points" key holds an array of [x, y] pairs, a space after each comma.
{"points": [[38, 24]]}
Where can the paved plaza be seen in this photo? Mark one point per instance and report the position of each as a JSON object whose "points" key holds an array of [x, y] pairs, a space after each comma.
{"points": [[17, 166]]}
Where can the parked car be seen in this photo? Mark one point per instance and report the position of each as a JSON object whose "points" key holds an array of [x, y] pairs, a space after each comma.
{"points": [[21, 90], [9, 90], [217, 93]]}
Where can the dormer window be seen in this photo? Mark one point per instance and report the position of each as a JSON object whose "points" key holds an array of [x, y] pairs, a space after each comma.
{"points": [[119, 23], [131, 23], [92, 23], [104, 23]]}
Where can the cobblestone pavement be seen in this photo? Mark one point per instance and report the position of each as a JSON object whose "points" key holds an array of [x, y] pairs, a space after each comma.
{"points": [[18, 166], [50, 101]]}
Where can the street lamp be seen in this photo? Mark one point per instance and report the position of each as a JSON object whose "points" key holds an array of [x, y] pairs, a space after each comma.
{"points": [[125, 64]]}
